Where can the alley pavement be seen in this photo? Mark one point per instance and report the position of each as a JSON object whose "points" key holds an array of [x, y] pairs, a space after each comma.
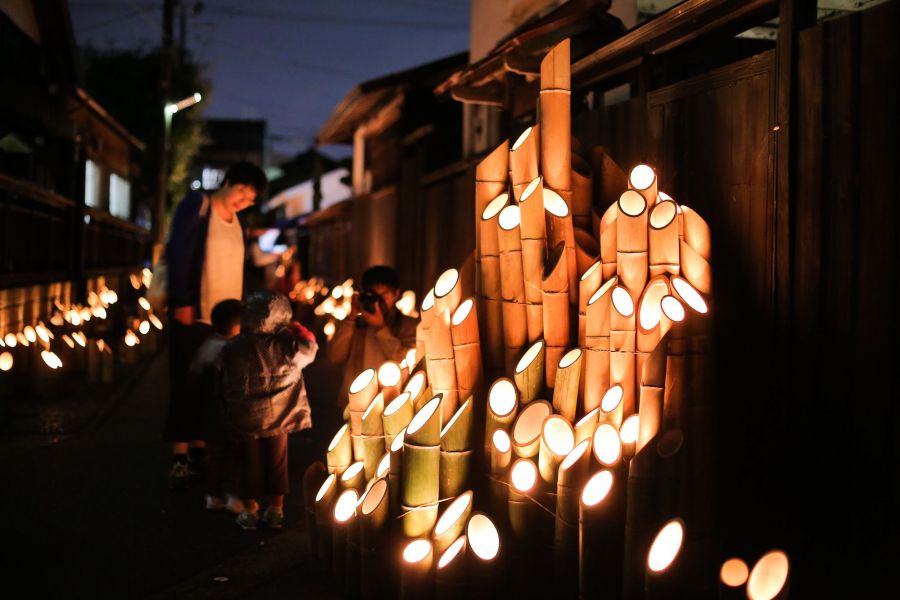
{"points": [[90, 515]]}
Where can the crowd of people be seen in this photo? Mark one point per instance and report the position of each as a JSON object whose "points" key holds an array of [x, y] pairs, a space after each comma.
{"points": [[236, 356]]}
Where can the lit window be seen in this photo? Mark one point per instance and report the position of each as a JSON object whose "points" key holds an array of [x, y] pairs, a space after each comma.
{"points": [[212, 178], [92, 184], [119, 197]]}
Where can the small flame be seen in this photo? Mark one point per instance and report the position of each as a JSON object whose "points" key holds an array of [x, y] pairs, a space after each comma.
{"points": [[144, 327], [131, 339], [99, 312], [146, 277], [135, 281], [329, 329], [10, 340], [30, 334]]}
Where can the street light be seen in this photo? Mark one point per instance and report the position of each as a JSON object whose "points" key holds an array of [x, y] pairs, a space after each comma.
{"points": [[169, 109], [174, 107]]}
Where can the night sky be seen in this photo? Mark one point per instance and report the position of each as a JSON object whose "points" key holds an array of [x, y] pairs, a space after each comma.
{"points": [[289, 62]]}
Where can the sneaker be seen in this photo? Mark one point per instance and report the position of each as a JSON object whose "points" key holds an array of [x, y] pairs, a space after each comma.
{"points": [[234, 505], [180, 476], [273, 517], [247, 520], [214, 503]]}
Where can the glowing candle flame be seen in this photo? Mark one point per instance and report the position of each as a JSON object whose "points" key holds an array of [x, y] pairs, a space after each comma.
{"points": [[6, 361], [155, 321], [144, 327], [145, 304], [30, 334]]}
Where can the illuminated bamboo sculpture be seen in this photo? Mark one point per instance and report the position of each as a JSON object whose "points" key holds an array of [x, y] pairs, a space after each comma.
{"points": [[467, 349], [395, 470], [663, 241], [354, 478], [340, 452], [632, 240], [533, 234], [503, 403], [491, 177], [447, 291], [605, 230], [568, 377], [416, 571], [523, 160], [586, 425], [344, 514], [449, 577], [588, 284], [596, 341], [527, 428], [556, 121], [733, 577], [648, 320], [663, 572], [324, 509], [456, 452], [561, 231], [419, 476], [439, 354], [600, 538], [557, 441], [313, 478], [372, 439], [572, 475], [556, 312], [452, 522], [483, 551], [374, 511], [529, 373], [622, 345], [512, 284], [491, 322], [587, 251], [419, 391], [390, 380], [696, 233], [653, 382], [396, 417], [769, 578]]}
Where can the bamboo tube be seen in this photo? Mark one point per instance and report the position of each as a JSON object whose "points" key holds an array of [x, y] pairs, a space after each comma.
{"points": [[695, 269], [526, 430], [503, 402], [374, 510], [696, 232], [587, 251], [450, 579], [419, 481], [555, 115], [673, 312], [515, 332], [418, 390], [390, 378], [372, 423], [570, 480], [663, 239], [452, 522], [417, 521], [769, 578], [416, 578], [371, 441], [585, 427], [582, 193], [556, 312], [559, 217], [640, 517], [443, 364], [340, 452], [395, 469], [622, 345], [523, 160], [653, 381], [344, 513], [313, 478], [457, 434], [649, 317], [689, 294], [447, 291], [425, 427], [568, 376], [631, 240], [467, 349], [484, 545], [491, 177], [522, 511], [662, 567], [501, 452], [493, 351], [606, 234], [492, 319], [534, 247], [324, 509], [628, 434], [396, 416], [597, 334], [456, 453], [609, 178], [512, 282], [611, 409], [557, 441], [531, 210], [362, 391], [607, 446], [529, 373], [588, 284], [600, 536], [643, 180], [733, 579], [354, 478]]}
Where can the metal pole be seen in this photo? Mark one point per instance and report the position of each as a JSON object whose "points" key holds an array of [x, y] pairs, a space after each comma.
{"points": [[165, 85]]}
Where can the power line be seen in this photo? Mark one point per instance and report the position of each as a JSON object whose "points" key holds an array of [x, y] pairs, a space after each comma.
{"points": [[287, 61], [312, 18]]}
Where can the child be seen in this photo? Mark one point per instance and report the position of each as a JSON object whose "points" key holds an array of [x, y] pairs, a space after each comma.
{"points": [[204, 379], [265, 400]]}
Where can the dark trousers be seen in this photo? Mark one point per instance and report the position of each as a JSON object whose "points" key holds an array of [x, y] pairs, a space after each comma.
{"points": [[184, 421], [264, 466], [222, 472]]}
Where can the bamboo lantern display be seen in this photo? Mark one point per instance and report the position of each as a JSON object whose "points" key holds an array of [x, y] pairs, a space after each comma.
{"points": [[649, 318], [416, 576], [491, 177], [556, 313], [733, 579], [344, 513], [371, 442], [622, 345], [373, 517], [600, 538], [663, 239], [419, 475], [672, 312], [390, 378], [561, 231], [611, 406], [643, 180], [662, 574], [527, 428], [607, 446], [582, 193], [573, 472], [523, 161], [354, 478], [556, 121], [467, 349], [628, 435], [769, 577], [324, 509], [396, 416], [689, 294], [439, 354], [384, 467], [596, 345], [492, 317], [512, 284], [482, 571], [631, 240], [456, 452], [529, 374], [313, 478], [503, 403], [653, 381], [452, 522], [557, 441], [587, 251], [363, 390], [395, 469], [568, 377], [419, 393], [588, 285], [447, 291], [533, 240], [501, 452], [587, 425], [450, 574], [695, 268], [606, 232]]}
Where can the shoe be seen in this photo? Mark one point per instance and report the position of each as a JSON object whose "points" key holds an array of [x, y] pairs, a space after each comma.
{"points": [[214, 503], [180, 476], [273, 517], [234, 505], [247, 520]]}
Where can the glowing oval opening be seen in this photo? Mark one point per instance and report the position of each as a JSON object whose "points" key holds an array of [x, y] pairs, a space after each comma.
{"points": [[30, 334], [374, 496], [523, 475], [462, 312], [650, 303], [68, 341], [672, 308], [502, 397], [362, 380], [396, 404], [378, 400], [632, 203], [494, 207], [145, 304], [337, 437], [144, 327], [569, 358], [530, 422], [428, 302], [453, 512], [529, 189], [690, 295], [529, 356], [612, 398], [384, 465], [509, 218], [483, 537], [575, 455], [452, 552], [10, 340], [446, 282], [607, 447], [622, 301], [345, 507], [628, 433], [6, 361], [663, 214], [456, 415], [424, 414], [666, 546], [590, 270], [326, 485], [411, 358], [642, 177], [329, 328], [768, 576], [521, 139], [558, 435], [417, 551], [734, 572], [554, 204], [597, 488], [591, 416], [415, 384], [501, 441], [389, 374], [397, 444], [352, 471], [22, 339]]}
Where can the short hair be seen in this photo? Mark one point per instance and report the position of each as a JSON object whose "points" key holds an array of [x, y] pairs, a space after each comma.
{"points": [[247, 174], [225, 315], [380, 274]]}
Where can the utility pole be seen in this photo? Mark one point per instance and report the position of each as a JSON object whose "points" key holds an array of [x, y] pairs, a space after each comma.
{"points": [[165, 88]]}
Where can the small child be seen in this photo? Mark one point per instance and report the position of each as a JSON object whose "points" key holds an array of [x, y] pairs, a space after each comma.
{"points": [[265, 400], [204, 380]]}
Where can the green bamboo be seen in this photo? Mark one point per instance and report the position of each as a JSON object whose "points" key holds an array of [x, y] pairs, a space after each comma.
{"points": [[425, 427], [454, 472], [452, 522], [419, 477], [529, 375], [457, 435], [340, 451]]}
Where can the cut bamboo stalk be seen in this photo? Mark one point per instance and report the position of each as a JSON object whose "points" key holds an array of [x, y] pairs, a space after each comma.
{"points": [[521, 509], [663, 239], [557, 441], [503, 402], [450, 579], [585, 427], [695, 269], [490, 243], [396, 416], [492, 319], [570, 480], [374, 511], [606, 234], [426, 312], [484, 540], [443, 365], [340, 451], [467, 349], [324, 509], [416, 577], [512, 280], [609, 178], [501, 452], [673, 312], [523, 160], [733, 579], [531, 207], [515, 332], [447, 291], [600, 540], [457, 434], [344, 513], [534, 247], [526, 430], [607, 446], [372, 423], [371, 441], [452, 522], [425, 427], [622, 345], [313, 478], [418, 390], [565, 391], [649, 318], [417, 521], [662, 574], [390, 378], [628, 434], [769, 578], [696, 232], [582, 193], [484, 578], [362, 391], [631, 240], [559, 217], [597, 345], [653, 381], [419, 477], [491, 179], [611, 410], [354, 478], [555, 115], [395, 469], [529, 373], [587, 251], [455, 468], [588, 284], [556, 312], [690, 295], [643, 180], [493, 351]]}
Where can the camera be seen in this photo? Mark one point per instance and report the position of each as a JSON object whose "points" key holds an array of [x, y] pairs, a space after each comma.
{"points": [[368, 301]]}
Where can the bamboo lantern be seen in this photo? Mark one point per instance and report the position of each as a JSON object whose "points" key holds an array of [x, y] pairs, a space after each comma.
{"points": [[695, 268], [769, 577], [663, 239], [373, 516], [649, 317], [555, 114], [582, 193], [390, 378], [447, 291], [696, 232], [363, 390], [599, 549], [672, 312], [640, 517], [521, 508], [324, 509], [442, 375], [689, 294], [526, 431], [631, 240], [450, 579], [607, 446], [340, 452], [628, 435], [452, 522], [419, 475], [588, 284], [344, 513], [456, 452], [611, 406], [395, 469], [418, 391], [467, 349], [559, 217], [384, 467], [372, 439], [662, 562], [422, 329], [587, 252], [501, 452], [512, 284], [492, 317], [503, 402], [653, 381], [733, 579], [491, 177], [606, 232], [483, 542], [523, 161], [573, 472], [354, 478], [622, 345], [313, 478], [643, 180], [416, 577], [532, 231], [568, 376], [586, 426], [396, 416], [557, 441], [556, 313], [529, 373], [596, 340]]}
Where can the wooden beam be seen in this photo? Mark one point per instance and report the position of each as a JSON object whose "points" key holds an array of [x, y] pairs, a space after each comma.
{"points": [[490, 94]]}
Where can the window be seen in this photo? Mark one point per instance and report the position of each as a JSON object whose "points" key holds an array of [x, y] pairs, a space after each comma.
{"points": [[212, 178], [93, 184], [119, 197]]}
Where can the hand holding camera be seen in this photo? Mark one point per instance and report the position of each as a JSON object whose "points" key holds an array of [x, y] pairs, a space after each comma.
{"points": [[369, 306]]}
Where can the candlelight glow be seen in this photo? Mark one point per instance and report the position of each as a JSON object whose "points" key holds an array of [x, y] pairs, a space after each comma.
{"points": [[494, 207], [428, 302], [666, 546], [672, 308], [529, 422], [416, 384], [529, 356], [337, 293], [509, 218], [483, 537], [417, 551], [407, 303], [362, 380], [57, 319], [523, 475], [328, 329], [446, 282], [607, 447], [411, 359], [374, 496], [502, 397], [734, 572], [339, 313], [455, 416], [453, 513], [424, 414], [632, 203], [590, 270], [337, 437], [30, 334], [68, 341], [131, 339], [642, 177], [569, 358], [135, 281], [144, 327], [452, 552], [501, 441], [51, 359], [597, 488], [352, 471], [529, 189], [628, 433], [80, 338], [650, 303], [397, 444], [345, 507], [768, 576], [326, 485], [10, 340], [575, 455], [155, 321], [99, 312], [378, 399], [622, 301], [145, 304], [74, 317], [521, 139], [384, 465], [558, 435], [690, 295], [603, 289], [389, 374], [43, 333], [146, 276], [6, 361], [612, 398], [554, 204], [396, 404], [463, 311], [86, 314], [22, 339], [663, 214]]}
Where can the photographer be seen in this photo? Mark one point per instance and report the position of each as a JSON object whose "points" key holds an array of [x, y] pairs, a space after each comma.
{"points": [[375, 331]]}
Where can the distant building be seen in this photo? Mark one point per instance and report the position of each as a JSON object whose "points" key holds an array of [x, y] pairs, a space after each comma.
{"points": [[294, 193], [227, 141]]}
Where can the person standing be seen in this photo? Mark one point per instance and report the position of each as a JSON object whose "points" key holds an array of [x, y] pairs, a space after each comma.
{"points": [[205, 262]]}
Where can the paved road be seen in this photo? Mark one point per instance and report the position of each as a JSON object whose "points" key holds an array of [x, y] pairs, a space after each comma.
{"points": [[91, 515]]}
